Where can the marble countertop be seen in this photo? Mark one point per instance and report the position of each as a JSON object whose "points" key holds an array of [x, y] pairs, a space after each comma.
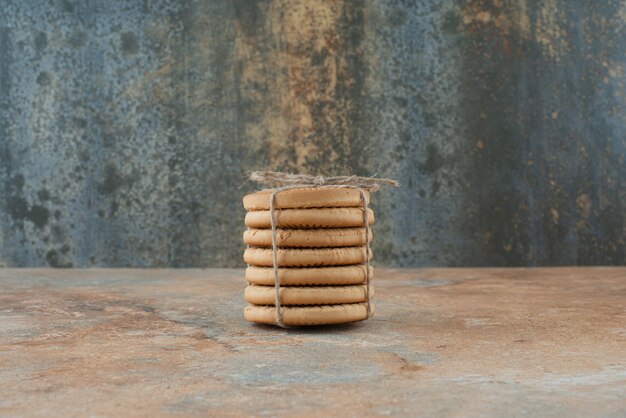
{"points": [[444, 342]]}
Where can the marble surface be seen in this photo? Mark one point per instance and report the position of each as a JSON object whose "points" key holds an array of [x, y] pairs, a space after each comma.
{"points": [[444, 342]]}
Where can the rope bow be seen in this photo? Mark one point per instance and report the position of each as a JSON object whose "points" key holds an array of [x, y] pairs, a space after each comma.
{"points": [[276, 178]]}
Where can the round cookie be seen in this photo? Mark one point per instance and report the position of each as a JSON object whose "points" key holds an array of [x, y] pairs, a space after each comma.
{"points": [[309, 218], [289, 257], [309, 315], [307, 295], [339, 197], [340, 275], [322, 237]]}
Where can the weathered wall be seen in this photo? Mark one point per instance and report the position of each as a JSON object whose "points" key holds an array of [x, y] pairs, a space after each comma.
{"points": [[127, 126]]}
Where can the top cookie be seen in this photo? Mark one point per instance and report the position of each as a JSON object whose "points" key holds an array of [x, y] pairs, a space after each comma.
{"points": [[339, 197]]}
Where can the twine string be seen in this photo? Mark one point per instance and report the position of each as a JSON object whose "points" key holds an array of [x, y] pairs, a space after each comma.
{"points": [[277, 302], [367, 250], [371, 184]]}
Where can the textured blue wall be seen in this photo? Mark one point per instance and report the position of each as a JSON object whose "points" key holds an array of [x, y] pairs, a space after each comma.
{"points": [[127, 127]]}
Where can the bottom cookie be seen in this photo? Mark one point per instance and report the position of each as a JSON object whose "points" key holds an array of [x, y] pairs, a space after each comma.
{"points": [[309, 315]]}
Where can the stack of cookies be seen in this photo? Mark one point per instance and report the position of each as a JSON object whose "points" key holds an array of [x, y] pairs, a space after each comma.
{"points": [[321, 257]]}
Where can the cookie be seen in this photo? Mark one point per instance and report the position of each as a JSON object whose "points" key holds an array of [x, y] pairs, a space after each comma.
{"points": [[306, 198], [341, 275], [322, 237], [309, 218], [290, 257], [307, 295], [309, 315]]}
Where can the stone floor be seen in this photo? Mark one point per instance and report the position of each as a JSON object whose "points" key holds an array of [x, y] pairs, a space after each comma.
{"points": [[444, 342]]}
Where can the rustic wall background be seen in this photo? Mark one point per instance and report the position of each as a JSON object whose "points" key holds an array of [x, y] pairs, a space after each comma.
{"points": [[127, 126]]}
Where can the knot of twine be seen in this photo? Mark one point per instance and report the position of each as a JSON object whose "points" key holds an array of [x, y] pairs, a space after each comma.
{"points": [[286, 181], [276, 178]]}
